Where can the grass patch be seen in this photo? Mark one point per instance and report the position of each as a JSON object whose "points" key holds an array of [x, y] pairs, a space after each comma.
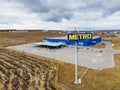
{"points": [[15, 38]]}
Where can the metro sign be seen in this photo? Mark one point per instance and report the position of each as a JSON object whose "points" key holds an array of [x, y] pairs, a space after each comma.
{"points": [[75, 37], [79, 36]]}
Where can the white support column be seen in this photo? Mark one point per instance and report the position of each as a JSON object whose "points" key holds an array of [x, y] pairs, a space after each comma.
{"points": [[76, 63]]}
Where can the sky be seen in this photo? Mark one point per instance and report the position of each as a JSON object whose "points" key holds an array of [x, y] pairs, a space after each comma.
{"points": [[60, 14]]}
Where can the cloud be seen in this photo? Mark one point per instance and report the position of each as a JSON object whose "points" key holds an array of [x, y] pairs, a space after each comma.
{"points": [[111, 6], [60, 14], [35, 6]]}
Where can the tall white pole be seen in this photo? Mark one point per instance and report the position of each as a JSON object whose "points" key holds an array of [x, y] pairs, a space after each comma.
{"points": [[76, 63]]}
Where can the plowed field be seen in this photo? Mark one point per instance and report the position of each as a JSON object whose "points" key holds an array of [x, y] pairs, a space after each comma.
{"points": [[23, 72]]}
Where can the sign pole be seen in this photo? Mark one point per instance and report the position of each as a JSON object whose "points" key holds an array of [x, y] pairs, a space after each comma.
{"points": [[76, 37], [76, 63]]}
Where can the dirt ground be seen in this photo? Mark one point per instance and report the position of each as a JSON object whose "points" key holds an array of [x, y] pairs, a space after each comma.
{"points": [[21, 72], [107, 79]]}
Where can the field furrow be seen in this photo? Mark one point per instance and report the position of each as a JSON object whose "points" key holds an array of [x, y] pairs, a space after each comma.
{"points": [[23, 72]]}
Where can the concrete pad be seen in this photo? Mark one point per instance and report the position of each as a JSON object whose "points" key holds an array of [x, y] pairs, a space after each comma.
{"points": [[92, 58]]}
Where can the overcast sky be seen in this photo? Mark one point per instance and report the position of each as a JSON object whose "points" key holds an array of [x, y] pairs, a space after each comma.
{"points": [[60, 14]]}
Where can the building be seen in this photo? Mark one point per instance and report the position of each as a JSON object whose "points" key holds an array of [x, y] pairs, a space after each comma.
{"points": [[87, 42]]}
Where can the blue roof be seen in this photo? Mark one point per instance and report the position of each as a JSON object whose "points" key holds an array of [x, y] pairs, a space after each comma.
{"points": [[82, 42]]}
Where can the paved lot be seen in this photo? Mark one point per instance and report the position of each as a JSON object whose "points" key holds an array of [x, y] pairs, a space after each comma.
{"points": [[118, 35], [87, 57]]}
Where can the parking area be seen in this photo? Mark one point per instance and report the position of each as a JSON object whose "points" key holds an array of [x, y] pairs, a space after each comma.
{"points": [[87, 57]]}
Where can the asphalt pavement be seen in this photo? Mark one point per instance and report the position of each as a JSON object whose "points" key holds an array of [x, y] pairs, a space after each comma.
{"points": [[87, 57]]}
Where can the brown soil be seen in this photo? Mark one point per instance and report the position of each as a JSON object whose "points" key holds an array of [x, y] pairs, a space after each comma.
{"points": [[19, 71]]}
